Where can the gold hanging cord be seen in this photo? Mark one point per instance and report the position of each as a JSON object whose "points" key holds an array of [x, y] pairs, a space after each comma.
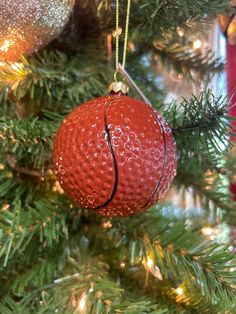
{"points": [[118, 32]]}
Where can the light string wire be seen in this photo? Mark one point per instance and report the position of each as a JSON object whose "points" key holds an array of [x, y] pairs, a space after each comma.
{"points": [[118, 32]]}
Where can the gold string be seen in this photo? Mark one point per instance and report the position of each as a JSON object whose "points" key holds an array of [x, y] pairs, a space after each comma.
{"points": [[118, 32], [117, 35], [126, 33]]}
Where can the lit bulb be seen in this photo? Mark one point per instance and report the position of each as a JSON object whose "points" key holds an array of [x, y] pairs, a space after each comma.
{"points": [[180, 32], [17, 66], [122, 265], [150, 263], [157, 273], [197, 44], [107, 225], [82, 302], [179, 291], [207, 231]]}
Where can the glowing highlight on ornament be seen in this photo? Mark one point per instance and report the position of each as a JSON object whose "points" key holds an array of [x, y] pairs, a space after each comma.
{"points": [[197, 44], [6, 45], [207, 231], [82, 302]]}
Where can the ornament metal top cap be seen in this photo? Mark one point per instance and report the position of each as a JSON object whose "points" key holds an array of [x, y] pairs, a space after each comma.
{"points": [[118, 88]]}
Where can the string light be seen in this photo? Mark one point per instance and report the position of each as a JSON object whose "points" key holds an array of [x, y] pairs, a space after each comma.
{"points": [[9, 175], [152, 268], [82, 302], [207, 231], [197, 44], [210, 232], [122, 265], [179, 291], [107, 224], [149, 263], [17, 66], [5, 207], [157, 273], [57, 188], [180, 32]]}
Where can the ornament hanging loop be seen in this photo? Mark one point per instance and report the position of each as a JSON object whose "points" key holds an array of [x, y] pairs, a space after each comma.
{"points": [[118, 32], [126, 32]]}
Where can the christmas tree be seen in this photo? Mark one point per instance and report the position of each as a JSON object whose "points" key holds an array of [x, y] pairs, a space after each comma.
{"points": [[57, 257]]}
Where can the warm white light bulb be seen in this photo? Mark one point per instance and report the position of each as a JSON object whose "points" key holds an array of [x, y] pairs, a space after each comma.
{"points": [[82, 302], [150, 263], [197, 44], [207, 231], [179, 291]]}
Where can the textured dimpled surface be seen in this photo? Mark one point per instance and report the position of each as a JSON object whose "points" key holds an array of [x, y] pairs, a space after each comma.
{"points": [[28, 25], [115, 155]]}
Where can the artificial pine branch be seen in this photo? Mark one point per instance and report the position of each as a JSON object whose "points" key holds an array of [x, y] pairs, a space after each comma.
{"points": [[34, 215], [200, 126], [210, 189], [31, 211], [27, 142], [89, 279], [152, 19], [174, 247], [185, 60], [54, 79]]}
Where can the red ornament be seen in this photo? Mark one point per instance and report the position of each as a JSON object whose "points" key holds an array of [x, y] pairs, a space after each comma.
{"points": [[115, 155]]}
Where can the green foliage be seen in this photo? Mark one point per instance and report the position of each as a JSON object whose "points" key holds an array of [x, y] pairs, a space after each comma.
{"points": [[153, 19], [180, 257], [185, 60], [55, 79], [201, 127], [53, 253], [30, 211], [204, 119], [30, 140], [179, 253]]}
